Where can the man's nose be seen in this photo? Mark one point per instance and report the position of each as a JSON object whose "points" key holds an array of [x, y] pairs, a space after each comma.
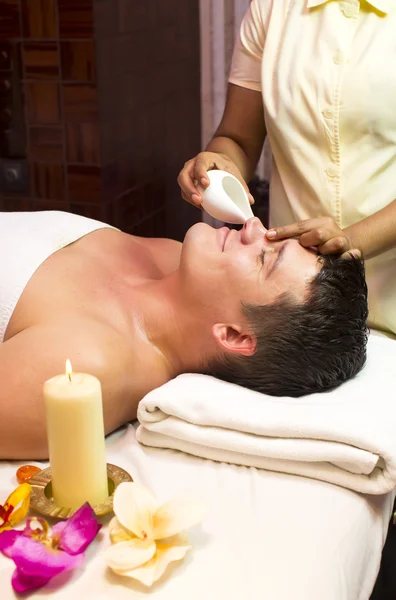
{"points": [[252, 230]]}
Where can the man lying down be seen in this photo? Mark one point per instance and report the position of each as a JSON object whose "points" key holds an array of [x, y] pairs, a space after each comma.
{"points": [[136, 312]]}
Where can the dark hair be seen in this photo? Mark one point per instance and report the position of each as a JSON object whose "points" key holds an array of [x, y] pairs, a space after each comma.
{"points": [[310, 347]]}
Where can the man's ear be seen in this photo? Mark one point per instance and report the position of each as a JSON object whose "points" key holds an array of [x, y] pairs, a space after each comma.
{"points": [[235, 339]]}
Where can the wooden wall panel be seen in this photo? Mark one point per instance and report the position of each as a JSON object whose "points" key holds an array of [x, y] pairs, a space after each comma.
{"points": [[110, 104]]}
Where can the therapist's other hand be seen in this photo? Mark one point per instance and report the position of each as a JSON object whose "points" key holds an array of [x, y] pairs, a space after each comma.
{"points": [[194, 174], [322, 233]]}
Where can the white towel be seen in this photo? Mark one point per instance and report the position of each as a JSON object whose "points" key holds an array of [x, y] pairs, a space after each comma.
{"points": [[346, 436], [27, 239]]}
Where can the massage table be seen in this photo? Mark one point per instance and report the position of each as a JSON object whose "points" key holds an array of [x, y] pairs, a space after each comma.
{"points": [[266, 535]]}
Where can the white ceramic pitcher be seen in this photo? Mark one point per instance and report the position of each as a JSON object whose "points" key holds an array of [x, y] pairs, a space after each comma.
{"points": [[225, 198]]}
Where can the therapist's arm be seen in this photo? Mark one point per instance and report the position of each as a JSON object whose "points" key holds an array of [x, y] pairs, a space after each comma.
{"points": [[241, 132], [375, 234], [371, 236], [236, 146]]}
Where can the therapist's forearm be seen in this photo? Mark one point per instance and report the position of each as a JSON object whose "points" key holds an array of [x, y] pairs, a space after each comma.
{"points": [[375, 234], [227, 146]]}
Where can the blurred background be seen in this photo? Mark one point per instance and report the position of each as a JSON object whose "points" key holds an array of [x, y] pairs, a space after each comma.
{"points": [[102, 102]]}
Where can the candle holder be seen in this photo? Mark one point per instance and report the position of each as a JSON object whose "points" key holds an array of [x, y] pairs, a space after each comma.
{"points": [[42, 501]]}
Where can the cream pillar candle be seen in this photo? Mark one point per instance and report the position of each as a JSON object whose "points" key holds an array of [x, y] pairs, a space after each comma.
{"points": [[76, 440]]}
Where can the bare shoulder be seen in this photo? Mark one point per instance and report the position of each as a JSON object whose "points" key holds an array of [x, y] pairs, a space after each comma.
{"points": [[38, 353], [165, 252]]}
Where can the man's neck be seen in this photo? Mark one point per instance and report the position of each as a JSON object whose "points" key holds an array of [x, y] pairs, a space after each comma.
{"points": [[164, 323]]}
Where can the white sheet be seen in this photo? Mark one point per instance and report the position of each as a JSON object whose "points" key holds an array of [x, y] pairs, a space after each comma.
{"points": [[267, 535]]}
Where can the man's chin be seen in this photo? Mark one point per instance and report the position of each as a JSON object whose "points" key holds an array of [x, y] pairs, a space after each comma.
{"points": [[200, 232]]}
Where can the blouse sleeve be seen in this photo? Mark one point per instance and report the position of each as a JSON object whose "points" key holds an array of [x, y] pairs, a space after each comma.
{"points": [[248, 51]]}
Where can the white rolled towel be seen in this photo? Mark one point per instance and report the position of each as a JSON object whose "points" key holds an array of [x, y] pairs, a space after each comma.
{"points": [[346, 437]]}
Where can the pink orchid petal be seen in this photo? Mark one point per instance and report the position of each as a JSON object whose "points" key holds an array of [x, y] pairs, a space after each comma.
{"points": [[7, 541], [80, 530], [58, 528], [35, 559], [23, 583]]}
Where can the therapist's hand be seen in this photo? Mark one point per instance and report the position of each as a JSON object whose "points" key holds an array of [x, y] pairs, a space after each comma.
{"points": [[194, 173], [322, 233]]}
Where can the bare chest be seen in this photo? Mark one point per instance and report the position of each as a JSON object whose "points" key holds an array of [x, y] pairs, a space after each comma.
{"points": [[91, 278]]}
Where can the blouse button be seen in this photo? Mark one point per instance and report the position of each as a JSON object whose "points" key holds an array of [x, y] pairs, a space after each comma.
{"points": [[338, 57], [332, 171], [350, 10]]}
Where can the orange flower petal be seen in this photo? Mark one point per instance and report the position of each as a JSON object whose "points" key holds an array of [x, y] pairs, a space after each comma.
{"points": [[20, 500], [5, 513]]}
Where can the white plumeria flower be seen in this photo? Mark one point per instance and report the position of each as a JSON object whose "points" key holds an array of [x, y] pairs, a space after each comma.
{"points": [[145, 536]]}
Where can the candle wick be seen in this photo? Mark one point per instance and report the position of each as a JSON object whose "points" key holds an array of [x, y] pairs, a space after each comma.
{"points": [[69, 374]]}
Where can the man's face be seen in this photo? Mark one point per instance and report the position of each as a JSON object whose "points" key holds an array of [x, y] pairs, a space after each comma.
{"points": [[223, 268]]}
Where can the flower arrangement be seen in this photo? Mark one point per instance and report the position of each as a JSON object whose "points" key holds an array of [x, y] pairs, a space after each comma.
{"points": [[145, 537]]}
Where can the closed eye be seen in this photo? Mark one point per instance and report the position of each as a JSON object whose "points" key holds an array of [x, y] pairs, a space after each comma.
{"points": [[262, 257]]}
